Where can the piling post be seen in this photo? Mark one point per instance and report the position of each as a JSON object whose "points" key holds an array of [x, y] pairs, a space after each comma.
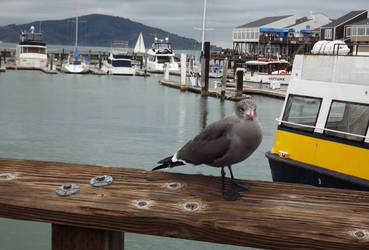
{"points": [[224, 78], [205, 70], [100, 60], [145, 65], [239, 82], [183, 72], [4, 55], [166, 71], [51, 61], [77, 238]]}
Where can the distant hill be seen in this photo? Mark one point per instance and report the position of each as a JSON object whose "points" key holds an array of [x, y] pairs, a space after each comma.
{"points": [[96, 30]]}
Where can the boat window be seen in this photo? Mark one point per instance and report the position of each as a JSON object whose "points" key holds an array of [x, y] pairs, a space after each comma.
{"points": [[352, 118], [301, 112], [151, 58], [163, 59], [121, 63]]}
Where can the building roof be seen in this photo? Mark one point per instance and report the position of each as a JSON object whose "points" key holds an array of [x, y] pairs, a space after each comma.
{"points": [[263, 21], [362, 22], [344, 18], [299, 21]]}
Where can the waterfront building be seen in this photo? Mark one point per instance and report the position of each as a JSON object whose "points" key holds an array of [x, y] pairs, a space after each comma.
{"points": [[358, 33], [335, 30], [279, 36], [246, 38]]}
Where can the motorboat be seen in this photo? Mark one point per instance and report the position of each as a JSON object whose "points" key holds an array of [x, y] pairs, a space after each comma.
{"points": [[160, 54], [322, 137], [274, 72], [119, 62], [31, 51]]}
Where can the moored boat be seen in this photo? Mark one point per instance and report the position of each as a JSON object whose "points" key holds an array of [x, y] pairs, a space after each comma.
{"points": [[161, 53], [76, 63], [322, 137], [119, 61], [267, 71], [31, 51]]}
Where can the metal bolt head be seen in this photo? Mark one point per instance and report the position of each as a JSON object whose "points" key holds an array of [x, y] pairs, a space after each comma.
{"points": [[6, 177], [101, 180], [174, 185], [67, 189], [191, 206]]}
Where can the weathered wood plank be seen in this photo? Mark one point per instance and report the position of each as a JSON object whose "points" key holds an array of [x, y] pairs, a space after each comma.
{"points": [[77, 238], [270, 215]]}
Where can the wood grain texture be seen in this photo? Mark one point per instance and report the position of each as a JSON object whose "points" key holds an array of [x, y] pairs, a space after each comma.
{"points": [[77, 238], [270, 215]]}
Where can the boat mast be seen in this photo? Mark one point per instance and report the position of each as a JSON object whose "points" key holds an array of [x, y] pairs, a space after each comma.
{"points": [[203, 26], [76, 38]]}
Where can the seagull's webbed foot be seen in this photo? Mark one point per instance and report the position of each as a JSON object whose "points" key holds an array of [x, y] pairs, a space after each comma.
{"points": [[241, 186], [232, 195], [236, 185]]}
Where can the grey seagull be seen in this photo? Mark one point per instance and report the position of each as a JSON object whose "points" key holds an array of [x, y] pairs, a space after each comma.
{"points": [[222, 144]]}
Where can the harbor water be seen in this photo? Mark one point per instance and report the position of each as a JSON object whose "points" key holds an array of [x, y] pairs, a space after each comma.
{"points": [[129, 122]]}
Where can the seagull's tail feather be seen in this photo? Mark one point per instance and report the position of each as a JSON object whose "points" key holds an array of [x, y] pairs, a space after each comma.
{"points": [[167, 163]]}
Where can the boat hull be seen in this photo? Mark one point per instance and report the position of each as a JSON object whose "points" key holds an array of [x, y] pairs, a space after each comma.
{"points": [[286, 170], [75, 69]]}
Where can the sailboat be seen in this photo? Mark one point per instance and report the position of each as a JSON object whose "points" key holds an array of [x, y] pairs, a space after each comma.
{"points": [[140, 45], [76, 64]]}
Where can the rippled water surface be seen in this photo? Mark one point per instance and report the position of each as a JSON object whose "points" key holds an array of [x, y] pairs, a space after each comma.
{"points": [[118, 121]]}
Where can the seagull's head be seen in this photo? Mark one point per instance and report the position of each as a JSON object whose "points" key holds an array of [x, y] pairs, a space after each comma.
{"points": [[246, 109]]}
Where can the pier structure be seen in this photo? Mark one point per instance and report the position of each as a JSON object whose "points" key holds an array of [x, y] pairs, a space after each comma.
{"points": [[90, 207]]}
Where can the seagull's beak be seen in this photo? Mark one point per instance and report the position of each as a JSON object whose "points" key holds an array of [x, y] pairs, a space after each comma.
{"points": [[250, 115]]}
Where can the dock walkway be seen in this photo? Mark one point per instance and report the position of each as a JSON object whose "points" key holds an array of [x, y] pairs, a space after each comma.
{"points": [[230, 90]]}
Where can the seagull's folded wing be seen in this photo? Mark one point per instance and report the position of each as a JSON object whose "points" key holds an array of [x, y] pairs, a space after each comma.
{"points": [[211, 144]]}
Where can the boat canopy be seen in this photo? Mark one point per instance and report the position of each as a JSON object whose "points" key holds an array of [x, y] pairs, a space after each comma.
{"points": [[258, 62]]}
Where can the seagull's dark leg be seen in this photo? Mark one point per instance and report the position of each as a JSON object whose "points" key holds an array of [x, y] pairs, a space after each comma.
{"points": [[229, 196], [239, 186]]}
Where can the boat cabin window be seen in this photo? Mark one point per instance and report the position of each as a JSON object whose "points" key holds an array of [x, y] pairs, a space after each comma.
{"points": [[163, 59], [121, 63], [301, 112], [33, 50], [352, 118], [151, 58]]}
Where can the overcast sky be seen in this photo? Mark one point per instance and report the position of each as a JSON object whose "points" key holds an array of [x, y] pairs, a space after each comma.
{"points": [[180, 17]]}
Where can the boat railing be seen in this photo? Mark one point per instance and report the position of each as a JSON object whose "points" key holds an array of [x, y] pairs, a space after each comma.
{"points": [[323, 129]]}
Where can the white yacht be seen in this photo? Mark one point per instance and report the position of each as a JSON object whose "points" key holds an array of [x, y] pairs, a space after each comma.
{"points": [[161, 53], [269, 71], [31, 50], [119, 61]]}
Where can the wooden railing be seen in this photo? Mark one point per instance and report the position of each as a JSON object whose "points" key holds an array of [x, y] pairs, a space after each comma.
{"points": [[269, 215]]}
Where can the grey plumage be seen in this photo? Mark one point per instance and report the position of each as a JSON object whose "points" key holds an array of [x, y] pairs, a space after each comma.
{"points": [[222, 143]]}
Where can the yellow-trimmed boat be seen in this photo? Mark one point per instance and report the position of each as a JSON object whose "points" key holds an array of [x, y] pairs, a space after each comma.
{"points": [[322, 137]]}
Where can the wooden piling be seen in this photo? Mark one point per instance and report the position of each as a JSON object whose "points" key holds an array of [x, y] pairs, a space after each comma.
{"points": [[224, 79], [239, 83], [77, 238], [205, 85]]}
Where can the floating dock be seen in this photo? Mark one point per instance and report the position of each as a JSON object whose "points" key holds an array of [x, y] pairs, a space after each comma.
{"points": [[230, 90], [230, 93]]}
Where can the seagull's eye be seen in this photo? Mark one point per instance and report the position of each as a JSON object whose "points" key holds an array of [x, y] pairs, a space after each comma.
{"points": [[241, 110]]}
